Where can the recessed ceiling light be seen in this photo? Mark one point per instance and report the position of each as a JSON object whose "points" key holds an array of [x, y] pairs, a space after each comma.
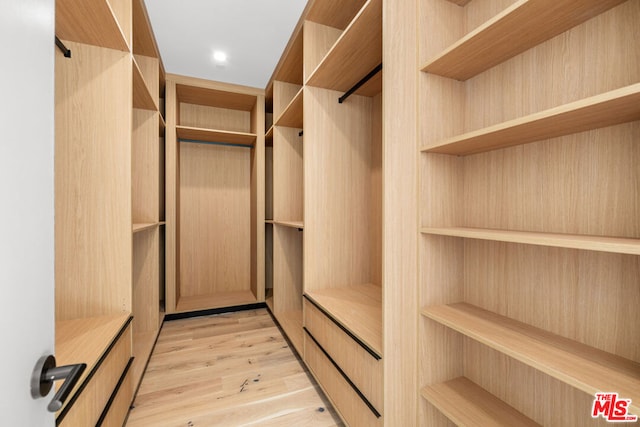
{"points": [[219, 56]]}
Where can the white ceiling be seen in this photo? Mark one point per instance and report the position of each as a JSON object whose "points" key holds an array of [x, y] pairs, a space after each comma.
{"points": [[253, 33]]}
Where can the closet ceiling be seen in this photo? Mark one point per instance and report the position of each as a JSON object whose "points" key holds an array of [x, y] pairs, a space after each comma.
{"points": [[253, 34]]}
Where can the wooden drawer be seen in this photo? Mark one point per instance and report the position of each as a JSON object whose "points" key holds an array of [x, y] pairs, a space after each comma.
{"points": [[363, 368], [344, 397], [118, 409], [93, 399]]}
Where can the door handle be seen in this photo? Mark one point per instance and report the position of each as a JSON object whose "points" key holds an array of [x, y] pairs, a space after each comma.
{"points": [[46, 372]]}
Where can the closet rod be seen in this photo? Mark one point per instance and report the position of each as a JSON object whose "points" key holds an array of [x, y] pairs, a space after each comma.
{"points": [[197, 141], [300, 133], [360, 83], [63, 48]]}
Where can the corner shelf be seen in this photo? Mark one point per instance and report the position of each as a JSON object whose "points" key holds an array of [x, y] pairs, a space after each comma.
{"points": [[618, 245], [215, 136], [576, 364], [607, 109], [358, 308], [292, 224], [141, 96], [144, 226], [518, 28], [354, 54], [292, 114], [91, 23], [467, 404]]}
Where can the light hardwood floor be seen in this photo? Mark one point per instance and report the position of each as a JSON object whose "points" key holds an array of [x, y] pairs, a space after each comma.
{"points": [[232, 369]]}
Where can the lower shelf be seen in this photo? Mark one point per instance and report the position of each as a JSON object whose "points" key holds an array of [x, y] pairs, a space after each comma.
{"points": [[358, 308], [291, 323], [217, 300], [467, 404]]}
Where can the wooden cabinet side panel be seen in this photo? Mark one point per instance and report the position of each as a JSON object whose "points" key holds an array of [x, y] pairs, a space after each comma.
{"points": [[288, 191], [171, 200], [145, 281], [287, 269], [145, 166]]}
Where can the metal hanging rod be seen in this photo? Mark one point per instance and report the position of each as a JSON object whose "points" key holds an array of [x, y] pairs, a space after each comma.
{"points": [[360, 83], [63, 48]]}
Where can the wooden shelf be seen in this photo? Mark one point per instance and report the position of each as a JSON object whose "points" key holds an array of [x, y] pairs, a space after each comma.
{"points": [[326, 12], [141, 95], [91, 23], [217, 300], [291, 323], [571, 241], [607, 109], [269, 221], [268, 137], [292, 224], [214, 97], [358, 308], [86, 340], [356, 53], [215, 136], [583, 367], [144, 226], [144, 42], [289, 68], [467, 404], [143, 344], [460, 2], [518, 28], [292, 115]]}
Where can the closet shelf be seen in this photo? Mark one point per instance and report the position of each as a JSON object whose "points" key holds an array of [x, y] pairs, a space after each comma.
{"points": [[144, 226], [289, 69], [467, 404], [354, 54], [326, 13], [215, 136], [141, 95], [292, 224], [358, 308], [291, 322], [292, 114], [144, 43], [583, 367], [214, 97], [269, 221], [607, 109], [518, 28], [617, 245], [268, 137], [92, 23]]}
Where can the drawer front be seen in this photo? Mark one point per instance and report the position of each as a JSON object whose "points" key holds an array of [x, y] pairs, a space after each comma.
{"points": [[88, 408], [344, 398], [362, 368], [119, 408]]}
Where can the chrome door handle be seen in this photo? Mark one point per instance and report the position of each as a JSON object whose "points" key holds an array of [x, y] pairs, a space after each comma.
{"points": [[46, 372]]}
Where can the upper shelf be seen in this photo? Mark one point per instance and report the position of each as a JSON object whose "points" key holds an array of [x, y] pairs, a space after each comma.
{"points": [[617, 245], [144, 42], [292, 224], [607, 109], [334, 14], [518, 28], [141, 96], [354, 54], [89, 22], [583, 367], [215, 97], [292, 114], [215, 136]]}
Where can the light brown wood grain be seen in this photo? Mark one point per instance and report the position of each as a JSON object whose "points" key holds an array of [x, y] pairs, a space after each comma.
{"points": [[144, 41], [292, 115], [283, 95], [318, 39], [291, 323], [268, 137], [150, 69], [145, 165], [288, 191], [209, 93], [215, 224], [334, 13], [142, 97], [145, 281], [258, 203], [206, 117], [289, 68], [354, 54], [193, 134], [268, 187], [358, 308], [172, 175], [96, 23], [215, 300], [287, 270], [360, 366], [525, 24], [268, 263], [93, 183], [119, 409], [467, 404]]}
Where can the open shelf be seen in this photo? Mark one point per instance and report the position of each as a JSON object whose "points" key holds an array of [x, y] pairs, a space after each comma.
{"points": [[269, 221], [356, 53], [144, 42], [467, 404], [292, 114], [217, 300], [291, 323], [141, 96], [292, 224], [268, 137], [86, 340], [358, 308], [518, 28], [91, 23], [326, 12], [289, 69], [607, 109], [143, 344], [144, 226], [215, 97], [583, 367], [617, 245], [192, 134]]}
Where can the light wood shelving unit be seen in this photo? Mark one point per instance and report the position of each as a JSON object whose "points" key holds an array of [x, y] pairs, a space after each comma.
{"points": [[215, 247], [102, 23], [528, 243]]}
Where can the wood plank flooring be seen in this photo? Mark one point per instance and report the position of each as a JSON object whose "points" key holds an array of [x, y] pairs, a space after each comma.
{"points": [[232, 369]]}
